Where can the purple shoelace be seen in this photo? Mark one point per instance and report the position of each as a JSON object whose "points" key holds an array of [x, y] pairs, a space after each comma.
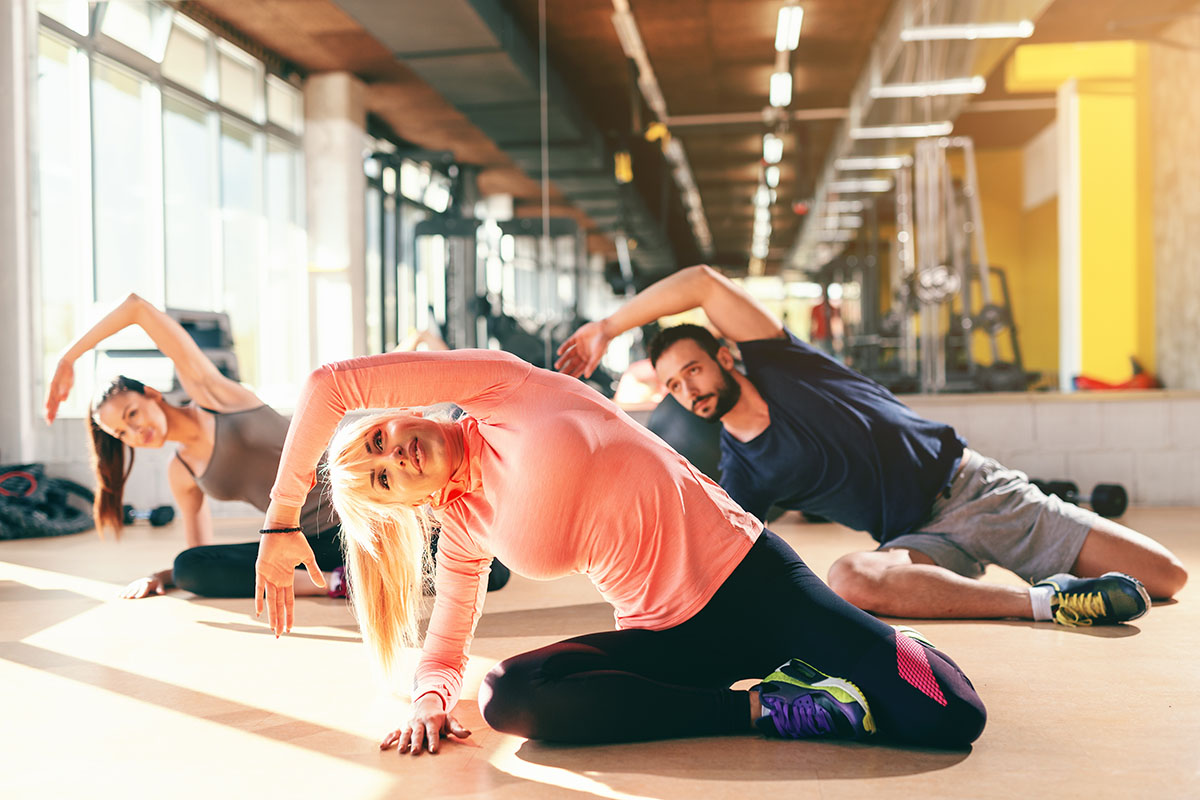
{"points": [[799, 718]]}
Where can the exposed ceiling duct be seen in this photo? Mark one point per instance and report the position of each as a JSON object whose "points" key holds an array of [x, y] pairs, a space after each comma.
{"points": [[473, 53], [926, 63]]}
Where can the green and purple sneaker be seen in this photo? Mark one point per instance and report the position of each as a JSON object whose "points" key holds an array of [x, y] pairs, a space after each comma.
{"points": [[801, 702]]}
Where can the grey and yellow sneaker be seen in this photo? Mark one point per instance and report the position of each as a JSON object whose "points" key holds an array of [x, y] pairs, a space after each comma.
{"points": [[801, 702], [1112, 598]]}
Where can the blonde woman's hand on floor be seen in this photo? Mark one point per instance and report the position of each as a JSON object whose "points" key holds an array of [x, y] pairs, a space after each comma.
{"points": [[425, 730]]}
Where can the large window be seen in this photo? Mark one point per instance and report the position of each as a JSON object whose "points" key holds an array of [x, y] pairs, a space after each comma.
{"points": [[64, 224], [169, 164]]}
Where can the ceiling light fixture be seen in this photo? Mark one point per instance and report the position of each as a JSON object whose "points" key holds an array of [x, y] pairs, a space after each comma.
{"points": [[844, 206], [954, 86], [771, 174], [992, 30], [781, 89], [772, 148], [903, 131], [863, 185], [872, 162], [787, 34]]}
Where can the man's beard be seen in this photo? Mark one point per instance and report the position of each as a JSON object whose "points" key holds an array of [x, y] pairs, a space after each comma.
{"points": [[728, 394]]}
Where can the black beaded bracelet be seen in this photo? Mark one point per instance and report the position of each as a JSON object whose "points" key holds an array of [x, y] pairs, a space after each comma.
{"points": [[280, 530]]}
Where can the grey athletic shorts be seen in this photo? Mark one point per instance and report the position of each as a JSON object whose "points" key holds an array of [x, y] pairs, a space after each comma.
{"points": [[994, 515]]}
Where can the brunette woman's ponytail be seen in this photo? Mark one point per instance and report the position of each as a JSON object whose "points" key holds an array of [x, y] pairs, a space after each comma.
{"points": [[108, 461]]}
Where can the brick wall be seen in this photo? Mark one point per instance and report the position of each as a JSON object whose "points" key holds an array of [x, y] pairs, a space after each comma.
{"points": [[1148, 441]]}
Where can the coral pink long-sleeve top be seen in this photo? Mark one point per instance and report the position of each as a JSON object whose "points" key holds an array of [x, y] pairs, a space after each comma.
{"points": [[555, 480]]}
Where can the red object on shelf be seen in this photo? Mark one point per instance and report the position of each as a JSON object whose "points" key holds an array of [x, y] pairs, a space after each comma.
{"points": [[1140, 380]]}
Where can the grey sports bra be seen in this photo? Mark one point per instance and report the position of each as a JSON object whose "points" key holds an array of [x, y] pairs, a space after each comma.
{"points": [[245, 457]]}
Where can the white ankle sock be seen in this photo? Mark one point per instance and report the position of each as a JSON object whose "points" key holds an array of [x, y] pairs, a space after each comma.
{"points": [[1040, 597]]}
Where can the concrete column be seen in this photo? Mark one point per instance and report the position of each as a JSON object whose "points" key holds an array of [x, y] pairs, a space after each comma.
{"points": [[334, 137], [20, 384]]}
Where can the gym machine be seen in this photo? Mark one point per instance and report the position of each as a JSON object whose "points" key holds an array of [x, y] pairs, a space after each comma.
{"points": [[946, 296]]}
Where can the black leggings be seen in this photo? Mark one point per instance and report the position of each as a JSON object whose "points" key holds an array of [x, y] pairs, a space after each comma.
{"points": [[227, 570], [636, 684]]}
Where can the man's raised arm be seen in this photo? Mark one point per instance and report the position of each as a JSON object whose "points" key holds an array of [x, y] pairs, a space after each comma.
{"points": [[737, 315]]}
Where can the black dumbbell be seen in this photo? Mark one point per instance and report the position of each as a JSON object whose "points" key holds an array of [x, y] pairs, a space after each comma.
{"points": [[1106, 499], [157, 516]]}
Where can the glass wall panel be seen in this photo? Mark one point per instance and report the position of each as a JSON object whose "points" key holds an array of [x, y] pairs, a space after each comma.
{"points": [[240, 82], [127, 192], [241, 242], [392, 324], [283, 317], [186, 59], [374, 269], [284, 105], [63, 206], [411, 287], [192, 222], [72, 13], [138, 24]]}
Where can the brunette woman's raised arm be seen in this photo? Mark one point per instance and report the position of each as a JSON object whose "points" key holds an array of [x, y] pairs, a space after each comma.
{"points": [[199, 376]]}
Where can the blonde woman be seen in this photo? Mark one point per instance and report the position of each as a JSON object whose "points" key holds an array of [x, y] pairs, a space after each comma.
{"points": [[552, 478]]}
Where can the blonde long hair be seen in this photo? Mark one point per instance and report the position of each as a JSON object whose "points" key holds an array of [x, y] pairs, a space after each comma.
{"points": [[386, 547]]}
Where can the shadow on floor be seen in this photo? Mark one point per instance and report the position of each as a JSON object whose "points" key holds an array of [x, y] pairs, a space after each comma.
{"points": [[556, 621], [263, 630], [745, 758], [1121, 631]]}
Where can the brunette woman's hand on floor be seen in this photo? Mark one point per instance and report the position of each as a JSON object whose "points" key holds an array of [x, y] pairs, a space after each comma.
{"points": [[60, 388], [425, 730], [580, 354], [274, 575], [143, 587]]}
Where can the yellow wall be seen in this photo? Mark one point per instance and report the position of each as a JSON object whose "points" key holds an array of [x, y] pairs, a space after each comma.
{"points": [[1116, 204], [1037, 302]]}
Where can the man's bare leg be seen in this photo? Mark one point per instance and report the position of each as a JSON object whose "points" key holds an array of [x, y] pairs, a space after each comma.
{"points": [[1112, 547], [906, 583]]}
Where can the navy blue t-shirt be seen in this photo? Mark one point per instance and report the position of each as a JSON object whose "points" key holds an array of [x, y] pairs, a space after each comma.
{"points": [[839, 445]]}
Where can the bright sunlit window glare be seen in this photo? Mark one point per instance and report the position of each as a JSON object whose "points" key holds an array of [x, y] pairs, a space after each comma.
{"points": [[787, 34]]}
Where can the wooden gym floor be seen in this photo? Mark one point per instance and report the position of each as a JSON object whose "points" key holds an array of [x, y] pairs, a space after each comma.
{"points": [[188, 698]]}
